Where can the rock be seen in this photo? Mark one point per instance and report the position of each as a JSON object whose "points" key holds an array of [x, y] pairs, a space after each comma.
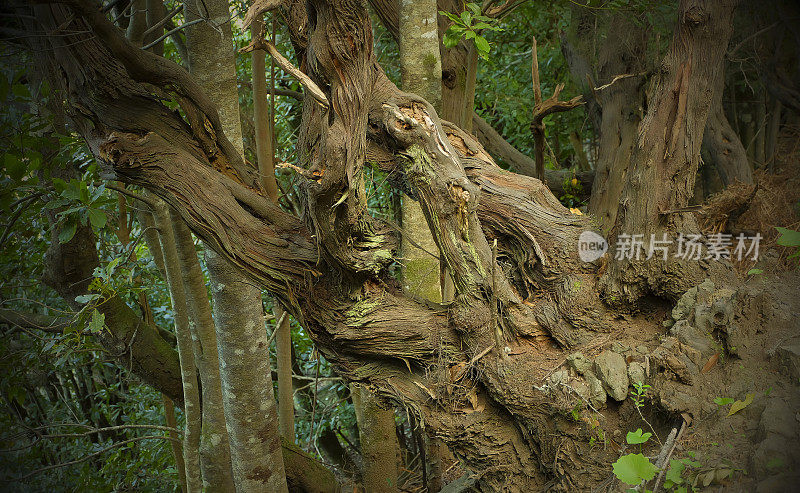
{"points": [[669, 358], [772, 456], [559, 377], [704, 291], [684, 306], [612, 372], [581, 388], [579, 363], [674, 399], [636, 372], [692, 337], [789, 356], [777, 419], [619, 347], [782, 483], [597, 395], [642, 349]]}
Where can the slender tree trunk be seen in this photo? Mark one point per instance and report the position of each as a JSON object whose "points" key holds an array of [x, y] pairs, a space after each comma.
{"points": [[423, 276], [177, 450], [773, 130], [379, 449], [283, 352], [248, 398], [246, 379], [263, 119], [191, 391], [668, 151], [215, 452]]}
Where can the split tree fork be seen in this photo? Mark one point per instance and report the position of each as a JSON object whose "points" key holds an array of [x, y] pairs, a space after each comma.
{"points": [[331, 269]]}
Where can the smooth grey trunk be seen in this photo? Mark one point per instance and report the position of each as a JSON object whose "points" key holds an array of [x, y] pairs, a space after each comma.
{"points": [[248, 399], [283, 351], [246, 380], [265, 156], [215, 452], [191, 392], [421, 72], [379, 449]]}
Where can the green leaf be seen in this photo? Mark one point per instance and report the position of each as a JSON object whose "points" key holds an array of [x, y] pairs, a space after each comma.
{"points": [[68, 230], [482, 44], [466, 18], [753, 272], [450, 39], [475, 8], [21, 91], [97, 218], [97, 322], [789, 237], [633, 468], [86, 298], [113, 265], [14, 166], [675, 471], [739, 405], [637, 437], [723, 401], [59, 184]]}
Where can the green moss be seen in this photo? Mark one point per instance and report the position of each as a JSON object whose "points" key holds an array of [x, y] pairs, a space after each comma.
{"points": [[429, 61], [416, 274], [354, 316]]}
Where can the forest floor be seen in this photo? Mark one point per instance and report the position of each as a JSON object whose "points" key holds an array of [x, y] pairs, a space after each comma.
{"points": [[752, 359]]}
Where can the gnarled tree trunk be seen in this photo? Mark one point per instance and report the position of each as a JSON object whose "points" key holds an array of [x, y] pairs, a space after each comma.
{"points": [[473, 369], [668, 151]]}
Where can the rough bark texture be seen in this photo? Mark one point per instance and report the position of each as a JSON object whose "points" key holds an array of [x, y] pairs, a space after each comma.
{"points": [[489, 404], [246, 380], [616, 109], [668, 151], [722, 150]]}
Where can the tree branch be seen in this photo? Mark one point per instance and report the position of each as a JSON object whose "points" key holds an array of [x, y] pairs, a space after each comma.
{"points": [[286, 65]]}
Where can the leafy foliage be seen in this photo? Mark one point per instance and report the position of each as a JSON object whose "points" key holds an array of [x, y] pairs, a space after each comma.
{"points": [[634, 468], [469, 25], [637, 437]]}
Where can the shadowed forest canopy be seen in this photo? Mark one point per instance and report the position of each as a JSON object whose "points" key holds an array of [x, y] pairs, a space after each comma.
{"points": [[384, 245]]}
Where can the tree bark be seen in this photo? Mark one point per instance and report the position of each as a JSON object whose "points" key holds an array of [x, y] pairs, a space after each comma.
{"points": [[668, 151], [246, 380], [191, 392], [615, 109], [333, 266], [215, 449], [258, 464], [379, 449], [177, 450], [722, 150]]}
